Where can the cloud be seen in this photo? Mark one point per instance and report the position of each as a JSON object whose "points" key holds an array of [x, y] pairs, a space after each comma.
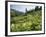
{"points": [[22, 7]]}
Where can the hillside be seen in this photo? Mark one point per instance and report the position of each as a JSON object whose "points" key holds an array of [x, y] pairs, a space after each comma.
{"points": [[29, 22], [16, 12]]}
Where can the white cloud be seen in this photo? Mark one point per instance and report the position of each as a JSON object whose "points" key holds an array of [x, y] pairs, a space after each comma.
{"points": [[22, 7]]}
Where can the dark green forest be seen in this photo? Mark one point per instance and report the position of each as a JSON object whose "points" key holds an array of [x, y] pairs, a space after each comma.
{"points": [[29, 21]]}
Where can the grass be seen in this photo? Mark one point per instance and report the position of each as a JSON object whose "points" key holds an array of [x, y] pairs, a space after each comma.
{"points": [[30, 22]]}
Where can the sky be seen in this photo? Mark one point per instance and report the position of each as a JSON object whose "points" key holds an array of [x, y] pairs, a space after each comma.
{"points": [[22, 7]]}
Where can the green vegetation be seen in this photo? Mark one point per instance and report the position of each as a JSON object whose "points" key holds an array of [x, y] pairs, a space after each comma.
{"points": [[30, 21]]}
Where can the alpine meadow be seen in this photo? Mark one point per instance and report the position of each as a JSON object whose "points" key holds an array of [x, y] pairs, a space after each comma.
{"points": [[25, 19]]}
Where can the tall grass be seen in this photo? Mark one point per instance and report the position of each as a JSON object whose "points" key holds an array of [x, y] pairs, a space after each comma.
{"points": [[32, 21]]}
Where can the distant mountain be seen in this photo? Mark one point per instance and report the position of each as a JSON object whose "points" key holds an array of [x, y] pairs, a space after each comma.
{"points": [[17, 12]]}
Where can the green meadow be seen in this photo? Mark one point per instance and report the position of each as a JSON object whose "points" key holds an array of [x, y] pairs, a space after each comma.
{"points": [[29, 21]]}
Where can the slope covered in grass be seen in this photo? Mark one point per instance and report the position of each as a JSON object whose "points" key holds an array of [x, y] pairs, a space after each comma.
{"points": [[32, 21]]}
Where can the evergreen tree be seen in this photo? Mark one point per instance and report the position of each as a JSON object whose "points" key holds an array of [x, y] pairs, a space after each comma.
{"points": [[40, 8], [36, 8], [26, 11]]}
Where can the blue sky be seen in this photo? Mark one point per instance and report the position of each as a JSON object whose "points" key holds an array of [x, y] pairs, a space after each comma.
{"points": [[22, 7]]}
